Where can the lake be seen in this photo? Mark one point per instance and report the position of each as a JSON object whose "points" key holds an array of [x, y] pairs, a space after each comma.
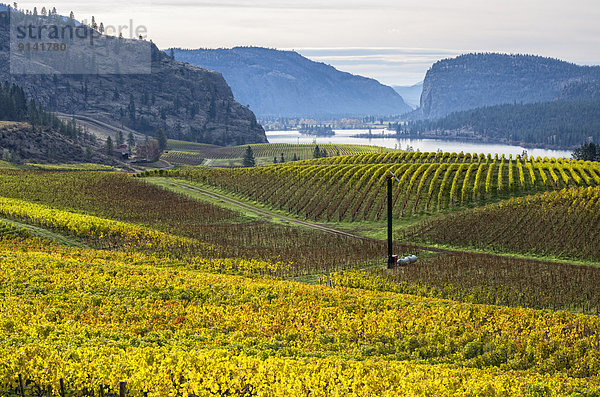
{"points": [[423, 145]]}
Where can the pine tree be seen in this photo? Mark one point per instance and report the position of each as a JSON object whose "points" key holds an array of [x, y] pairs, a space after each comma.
{"points": [[249, 160], [317, 152], [130, 140], [275, 160], [131, 107], [587, 152], [120, 138], [295, 157], [282, 159], [109, 147], [160, 136]]}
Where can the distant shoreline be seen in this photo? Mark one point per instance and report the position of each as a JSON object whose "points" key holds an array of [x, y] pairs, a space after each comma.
{"points": [[474, 139]]}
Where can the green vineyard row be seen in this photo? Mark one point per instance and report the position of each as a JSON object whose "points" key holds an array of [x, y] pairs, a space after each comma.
{"points": [[561, 223], [351, 188]]}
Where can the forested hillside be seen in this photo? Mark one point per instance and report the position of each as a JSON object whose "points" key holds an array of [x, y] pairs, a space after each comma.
{"points": [[564, 123], [475, 80]]}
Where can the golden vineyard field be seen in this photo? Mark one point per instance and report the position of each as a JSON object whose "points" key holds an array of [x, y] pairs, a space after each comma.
{"points": [[179, 297], [93, 318]]}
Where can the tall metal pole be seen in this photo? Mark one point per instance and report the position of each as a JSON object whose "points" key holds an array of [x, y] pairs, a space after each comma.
{"points": [[389, 216]]}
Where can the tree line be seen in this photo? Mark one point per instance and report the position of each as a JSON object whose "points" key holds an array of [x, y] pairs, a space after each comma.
{"points": [[587, 152], [15, 106], [564, 123]]}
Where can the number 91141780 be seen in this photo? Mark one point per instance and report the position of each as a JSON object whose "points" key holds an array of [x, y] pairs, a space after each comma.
{"points": [[42, 47]]}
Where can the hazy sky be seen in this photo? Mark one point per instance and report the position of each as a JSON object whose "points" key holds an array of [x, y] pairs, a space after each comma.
{"points": [[394, 41]]}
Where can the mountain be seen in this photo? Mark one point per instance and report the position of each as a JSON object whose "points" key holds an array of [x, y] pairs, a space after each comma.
{"points": [[188, 102], [475, 80], [587, 90], [411, 93], [285, 84]]}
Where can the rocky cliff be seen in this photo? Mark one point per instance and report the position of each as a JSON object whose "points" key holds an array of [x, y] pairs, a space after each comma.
{"points": [[188, 102]]}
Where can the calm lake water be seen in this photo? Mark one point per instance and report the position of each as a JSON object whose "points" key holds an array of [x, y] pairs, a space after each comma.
{"points": [[424, 145]]}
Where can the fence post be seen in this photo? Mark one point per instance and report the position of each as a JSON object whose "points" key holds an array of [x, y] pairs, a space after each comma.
{"points": [[122, 386], [21, 389]]}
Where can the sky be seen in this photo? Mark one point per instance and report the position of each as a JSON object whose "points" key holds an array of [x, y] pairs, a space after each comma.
{"points": [[393, 41]]}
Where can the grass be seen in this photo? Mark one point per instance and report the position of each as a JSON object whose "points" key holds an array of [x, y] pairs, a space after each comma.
{"points": [[71, 167], [45, 233], [5, 165], [165, 184]]}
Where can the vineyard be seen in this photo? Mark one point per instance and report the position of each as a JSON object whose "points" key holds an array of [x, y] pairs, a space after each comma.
{"points": [[192, 154], [486, 279], [185, 146], [186, 158], [563, 223], [350, 188], [115, 210], [110, 285], [95, 318]]}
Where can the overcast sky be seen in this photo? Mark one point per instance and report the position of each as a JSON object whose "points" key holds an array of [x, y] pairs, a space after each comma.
{"points": [[394, 41]]}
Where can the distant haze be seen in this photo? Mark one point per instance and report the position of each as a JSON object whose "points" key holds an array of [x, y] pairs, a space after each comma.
{"points": [[392, 41]]}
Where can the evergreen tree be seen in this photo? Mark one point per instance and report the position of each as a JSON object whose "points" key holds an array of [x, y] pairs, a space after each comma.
{"points": [[120, 138], [160, 136], [275, 160], [109, 147], [282, 158], [587, 152], [172, 53], [130, 140], [249, 160], [295, 157], [131, 108], [317, 152]]}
